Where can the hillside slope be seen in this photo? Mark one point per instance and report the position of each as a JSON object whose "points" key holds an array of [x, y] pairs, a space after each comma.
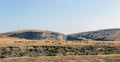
{"points": [[106, 34], [35, 35], [103, 35]]}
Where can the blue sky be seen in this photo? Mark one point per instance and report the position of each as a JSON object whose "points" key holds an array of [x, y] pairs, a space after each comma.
{"points": [[65, 16]]}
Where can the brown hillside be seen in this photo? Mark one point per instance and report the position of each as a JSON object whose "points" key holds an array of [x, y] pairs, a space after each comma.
{"points": [[35, 35], [107, 34]]}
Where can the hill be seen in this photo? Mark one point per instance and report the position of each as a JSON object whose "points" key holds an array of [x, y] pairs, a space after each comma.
{"points": [[99, 35], [103, 35], [34, 35]]}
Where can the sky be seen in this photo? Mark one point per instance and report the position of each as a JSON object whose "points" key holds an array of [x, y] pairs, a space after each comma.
{"points": [[64, 16]]}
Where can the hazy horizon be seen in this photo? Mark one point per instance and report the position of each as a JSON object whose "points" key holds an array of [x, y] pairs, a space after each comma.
{"points": [[64, 16]]}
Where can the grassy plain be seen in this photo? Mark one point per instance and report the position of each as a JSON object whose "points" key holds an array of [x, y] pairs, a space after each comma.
{"points": [[87, 58], [4, 42]]}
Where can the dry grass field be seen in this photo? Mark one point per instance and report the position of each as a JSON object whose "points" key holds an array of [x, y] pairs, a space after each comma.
{"points": [[22, 42], [88, 58], [82, 58]]}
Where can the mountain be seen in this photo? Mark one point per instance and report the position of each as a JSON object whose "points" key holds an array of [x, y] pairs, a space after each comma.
{"points": [[35, 35], [103, 35]]}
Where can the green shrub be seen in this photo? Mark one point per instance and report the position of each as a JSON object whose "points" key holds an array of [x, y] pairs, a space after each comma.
{"points": [[23, 53], [83, 49]]}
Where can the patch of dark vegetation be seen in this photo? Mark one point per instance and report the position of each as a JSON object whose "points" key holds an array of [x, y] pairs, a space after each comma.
{"points": [[31, 51]]}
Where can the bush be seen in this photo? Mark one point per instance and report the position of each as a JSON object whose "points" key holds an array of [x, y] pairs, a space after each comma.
{"points": [[23, 53], [2, 56], [83, 49]]}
